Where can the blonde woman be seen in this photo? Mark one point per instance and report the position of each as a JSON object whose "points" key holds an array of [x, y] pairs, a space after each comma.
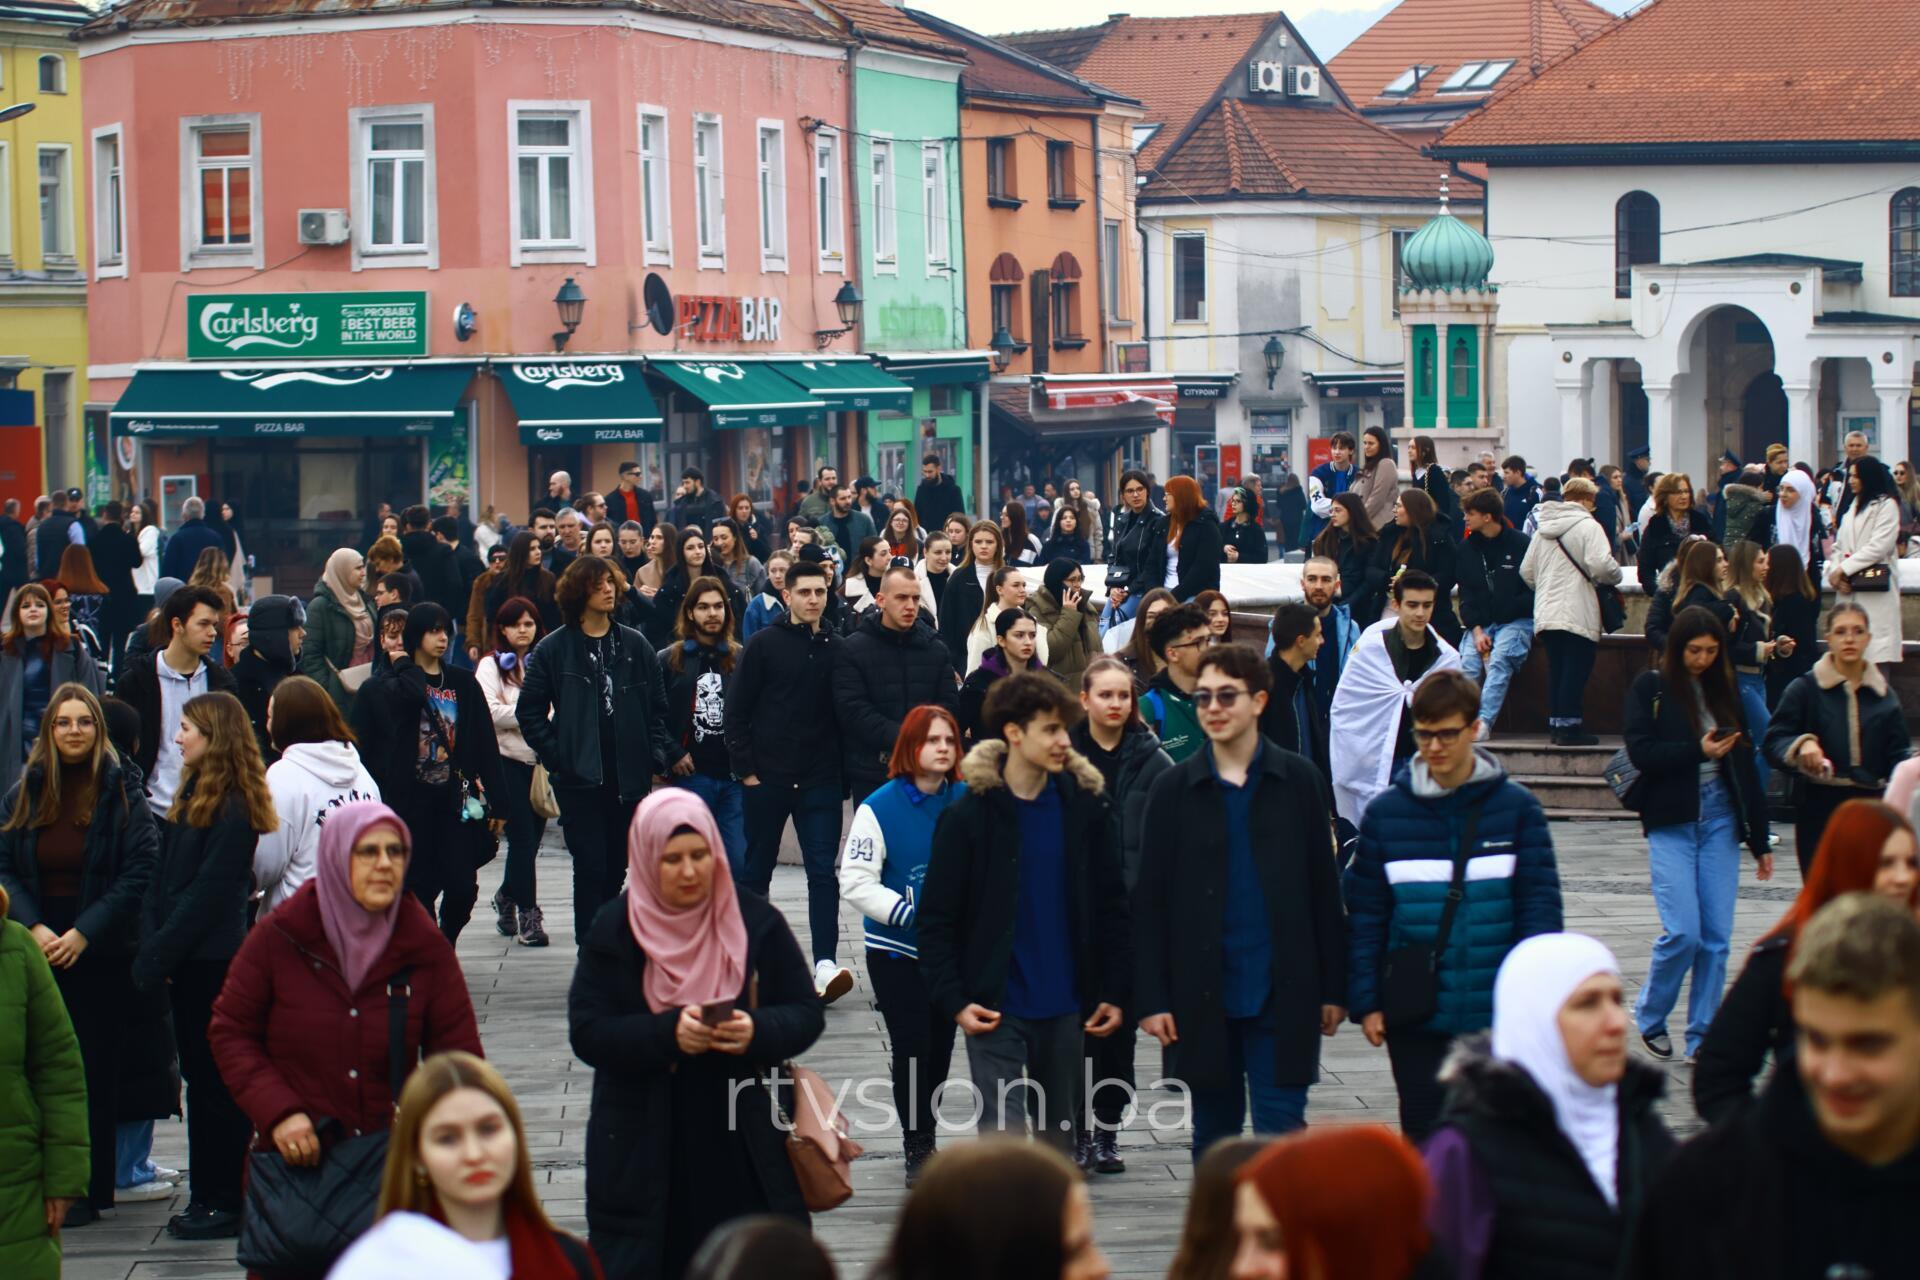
{"points": [[965, 597]]}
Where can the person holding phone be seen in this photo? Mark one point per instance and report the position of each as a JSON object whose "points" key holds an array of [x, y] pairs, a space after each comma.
{"points": [[1068, 620], [1699, 800]]}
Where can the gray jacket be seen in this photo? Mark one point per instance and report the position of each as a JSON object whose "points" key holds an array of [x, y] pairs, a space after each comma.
{"points": [[71, 663]]}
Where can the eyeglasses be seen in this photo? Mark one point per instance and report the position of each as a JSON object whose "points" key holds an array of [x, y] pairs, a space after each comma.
{"points": [[1194, 643], [1438, 737], [1226, 698], [392, 853]]}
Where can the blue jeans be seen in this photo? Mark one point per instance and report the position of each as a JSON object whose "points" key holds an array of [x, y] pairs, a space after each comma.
{"points": [[816, 824], [133, 1153], [727, 799], [1512, 642], [1111, 617], [1753, 701], [1696, 875], [1222, 1113]]}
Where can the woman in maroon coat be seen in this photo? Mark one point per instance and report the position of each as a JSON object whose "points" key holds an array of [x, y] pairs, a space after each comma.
{"points": [[300, 1029]]}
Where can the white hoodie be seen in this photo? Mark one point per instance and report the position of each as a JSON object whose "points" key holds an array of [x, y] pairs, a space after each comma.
{"points": [[310, 779]]}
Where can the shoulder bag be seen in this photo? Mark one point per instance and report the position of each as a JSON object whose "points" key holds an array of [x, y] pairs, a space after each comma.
{"points": [[297, 1220], [1613, 606], [1874, 578], [1623, 775], [540, 796], [1410, 984], [818, 1147]]}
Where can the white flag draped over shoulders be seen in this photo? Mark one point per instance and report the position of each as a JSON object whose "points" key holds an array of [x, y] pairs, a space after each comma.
{"points": [[1365, 720]]}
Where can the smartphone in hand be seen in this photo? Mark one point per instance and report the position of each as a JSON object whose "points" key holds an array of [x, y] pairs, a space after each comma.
{"points": [[716, 1012]]}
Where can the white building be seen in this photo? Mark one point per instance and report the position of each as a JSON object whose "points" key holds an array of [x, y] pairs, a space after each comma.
{"points": [[1707, 237]]}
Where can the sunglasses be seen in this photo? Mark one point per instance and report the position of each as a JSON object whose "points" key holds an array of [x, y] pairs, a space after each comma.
{"points": [[1226, 699]]}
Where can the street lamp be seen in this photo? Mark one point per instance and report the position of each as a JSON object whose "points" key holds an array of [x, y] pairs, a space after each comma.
{"points": [[848, 303], [1003, 348], [15, 111], [569, 302], [1274, 353]]}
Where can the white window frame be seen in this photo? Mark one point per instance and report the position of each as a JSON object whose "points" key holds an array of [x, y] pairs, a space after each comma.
{"points": [[770, 191], [830, 205], [656, 183], [6, 204], [936, 210], [580, 248], [192, 252], [366, 254], [883, 194], [1206, 285], [710, 191], [109, 202], [67, 255]]}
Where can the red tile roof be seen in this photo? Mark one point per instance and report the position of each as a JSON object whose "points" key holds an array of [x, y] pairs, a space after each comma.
{"points": [[1446, 34], [1721, 71], [1266, 149], [1172, 65], [995, 68], [879, 23]]}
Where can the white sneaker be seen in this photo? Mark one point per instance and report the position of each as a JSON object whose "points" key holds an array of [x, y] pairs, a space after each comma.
{"points": [[831, 981], [164, 1174], [155, 1190]]}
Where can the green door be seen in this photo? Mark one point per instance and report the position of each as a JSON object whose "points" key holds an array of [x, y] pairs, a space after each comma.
{"points": [[1463, 377], [1425, 401]]}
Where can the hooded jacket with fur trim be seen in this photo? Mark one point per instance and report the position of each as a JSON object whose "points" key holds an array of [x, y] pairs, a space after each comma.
{"points": [[1862, 731], [967, 907]]}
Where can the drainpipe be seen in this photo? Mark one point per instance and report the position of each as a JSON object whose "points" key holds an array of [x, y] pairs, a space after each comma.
{"points": [[856, 256]]}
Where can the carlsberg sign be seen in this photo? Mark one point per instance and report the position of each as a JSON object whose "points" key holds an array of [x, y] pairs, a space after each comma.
{"points": [[305, 326]]}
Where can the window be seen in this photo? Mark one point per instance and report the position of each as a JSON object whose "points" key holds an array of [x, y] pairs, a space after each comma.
{"points": [[1492, 71], [709, 192], [1190, 276], [1636, 238], [1407, 81], [827, 196], [1143, 134], [1064, 283], [656, 227], [396, 184], [53, 73], [1006, 309], [546, 163], [942, 400], [886, 227], [1400, 279], [770, 161], [109, 205], [1904, 260], [933, 204], [1060, 186], [223, 157], [1111, 264], [1459, 79], [56, 211], [1001, 187]]}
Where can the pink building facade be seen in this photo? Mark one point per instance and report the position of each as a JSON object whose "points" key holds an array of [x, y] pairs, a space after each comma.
{"points": [[329, 219]]}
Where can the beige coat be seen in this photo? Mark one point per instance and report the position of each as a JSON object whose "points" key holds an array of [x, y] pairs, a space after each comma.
{"points": [[1563, 600], [1378, 489], [1870, 536]]}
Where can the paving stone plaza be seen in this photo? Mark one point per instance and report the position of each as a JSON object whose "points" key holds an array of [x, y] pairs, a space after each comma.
{"points": [[519, 996]]}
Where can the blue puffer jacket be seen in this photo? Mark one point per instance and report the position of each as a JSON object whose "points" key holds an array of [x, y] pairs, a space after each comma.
{"points": [[1398, 883]]}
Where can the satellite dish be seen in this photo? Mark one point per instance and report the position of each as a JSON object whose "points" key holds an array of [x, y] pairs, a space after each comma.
{"points": [[658, 300], [465, 321]]}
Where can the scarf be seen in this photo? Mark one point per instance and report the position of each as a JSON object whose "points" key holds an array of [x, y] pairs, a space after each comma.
{"points": [[1795, 527], [1534, 983], [694, 954], [357, 935], [334, 579]]}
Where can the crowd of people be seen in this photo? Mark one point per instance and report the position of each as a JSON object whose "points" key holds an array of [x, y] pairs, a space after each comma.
{"points": [[241, 836]]}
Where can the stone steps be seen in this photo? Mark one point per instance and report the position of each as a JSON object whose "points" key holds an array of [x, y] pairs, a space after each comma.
{"points": [[1570, 782]]}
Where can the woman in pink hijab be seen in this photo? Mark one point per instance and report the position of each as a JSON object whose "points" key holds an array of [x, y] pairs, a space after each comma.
{"points": [[688, 992]]}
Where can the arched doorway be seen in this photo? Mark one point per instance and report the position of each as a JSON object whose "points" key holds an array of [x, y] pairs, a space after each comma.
{"points": [[1763, 416]]}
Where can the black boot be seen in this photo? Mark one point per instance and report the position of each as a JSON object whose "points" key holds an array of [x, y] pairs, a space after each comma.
{"points": [[1106, 1151], [919, 1149], [1575, 735], [506, 913], [1083, 1150]]}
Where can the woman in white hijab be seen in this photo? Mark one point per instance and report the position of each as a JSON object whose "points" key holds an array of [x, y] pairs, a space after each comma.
{"points": [[1796, 520], [1549, 1139]]}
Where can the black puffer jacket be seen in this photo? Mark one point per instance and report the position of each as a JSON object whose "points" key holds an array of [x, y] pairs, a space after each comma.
{"points": [[781, 726], [1141, 762], [1549, 1219], [196, 907], [1663, 745], [1865, 735], [560, 676], [122, 850], [1131, 547], [1488, 571], [879, 676]]}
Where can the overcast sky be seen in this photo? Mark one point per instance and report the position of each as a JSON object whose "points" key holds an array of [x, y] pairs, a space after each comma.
{"points": [[1327, 24]]}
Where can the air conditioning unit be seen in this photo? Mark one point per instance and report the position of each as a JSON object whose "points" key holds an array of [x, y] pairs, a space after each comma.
{"points": [[1266, 77], [323, 226], [1303, 82]]}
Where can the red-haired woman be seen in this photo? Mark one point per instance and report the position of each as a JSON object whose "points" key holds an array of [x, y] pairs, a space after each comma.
{"points": [[1188, 562], [882, 868], [1867, 848]]}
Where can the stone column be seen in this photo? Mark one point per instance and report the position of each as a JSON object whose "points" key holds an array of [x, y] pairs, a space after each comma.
{"points": [[1803, 421], [1406, 369], [1573, 418], [1439, 373], [1894, 419], [1486, 373], [1662, 453]]}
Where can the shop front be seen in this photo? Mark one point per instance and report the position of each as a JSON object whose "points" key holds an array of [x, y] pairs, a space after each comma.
{"points": [[565, 407], [1037, 436], [940, 420]]}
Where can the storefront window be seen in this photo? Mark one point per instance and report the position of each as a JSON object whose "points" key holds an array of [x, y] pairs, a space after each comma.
{"points": [[766, 465]]}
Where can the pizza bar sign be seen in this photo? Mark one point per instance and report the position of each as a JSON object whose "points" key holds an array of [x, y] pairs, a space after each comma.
{"points": [[727, 319]]}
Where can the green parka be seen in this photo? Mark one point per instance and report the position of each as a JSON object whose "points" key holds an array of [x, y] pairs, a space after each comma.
{"points": [[328, 647], [43, 1107]]}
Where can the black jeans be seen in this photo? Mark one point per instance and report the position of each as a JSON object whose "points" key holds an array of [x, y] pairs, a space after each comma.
{"points": [[1813, 806], [524, 829], [1416, 1055], [816, 824], [218, 1132], [1569, 667], [98, 992], [443, 865], [922, 1040], [594, 821], [1110, 1059]]}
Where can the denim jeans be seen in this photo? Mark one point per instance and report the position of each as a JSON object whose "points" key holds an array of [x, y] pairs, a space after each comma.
{"points": [[1753, 701], [727, 799], [1696, 875], [816, 824], [1277, 1108], [133, 1154], [1111, 617], [1512, 642]]}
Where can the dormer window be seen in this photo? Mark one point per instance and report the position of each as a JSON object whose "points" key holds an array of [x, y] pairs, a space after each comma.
{"points": [[1472, 77], [1407, 81]]}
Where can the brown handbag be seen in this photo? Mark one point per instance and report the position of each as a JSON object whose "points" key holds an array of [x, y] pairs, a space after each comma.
{"points": [[817, 1143]]}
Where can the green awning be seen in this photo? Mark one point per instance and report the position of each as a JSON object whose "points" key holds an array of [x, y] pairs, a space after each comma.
{"points": [[848, 384], [937, 370], [744, 393], [345, 400], [584, 401]]}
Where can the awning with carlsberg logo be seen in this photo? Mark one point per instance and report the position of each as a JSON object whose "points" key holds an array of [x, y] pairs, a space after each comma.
{"points": [[743, 393], [587, 401], [347, 400]]}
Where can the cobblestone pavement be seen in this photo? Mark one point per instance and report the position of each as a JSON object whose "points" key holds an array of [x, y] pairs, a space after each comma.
{"points": [[520, 997]]}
